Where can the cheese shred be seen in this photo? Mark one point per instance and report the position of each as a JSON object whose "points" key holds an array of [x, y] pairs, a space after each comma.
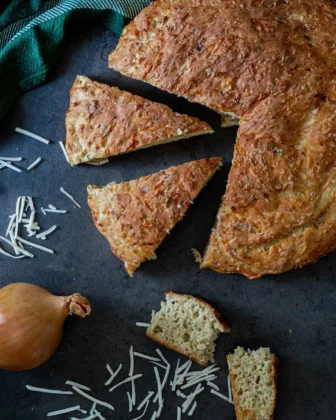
{"points": [[69, 196], [11, 159], [144, 356], [44, 211], [64, 151], [46, 232], [42, 248], [10, 166], [158, 381], [130, 405], [212, 385], [16, 248], [64, 411], [113, 375], [229, 388], [125, 381], [144, 412], [193, 408], [71, 383], [48, 391], [32, 135], [93, 399], [35, 163], [10, 255], [145, 400], [221, 396]]}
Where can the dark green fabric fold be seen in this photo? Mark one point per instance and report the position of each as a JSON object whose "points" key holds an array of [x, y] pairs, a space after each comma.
{"points": [[26, 61]]}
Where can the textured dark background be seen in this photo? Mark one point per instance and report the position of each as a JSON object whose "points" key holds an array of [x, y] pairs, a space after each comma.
{"points": [[293, 313]]}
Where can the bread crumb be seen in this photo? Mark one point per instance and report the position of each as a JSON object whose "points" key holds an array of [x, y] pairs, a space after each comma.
{"points": [[197, 255]]}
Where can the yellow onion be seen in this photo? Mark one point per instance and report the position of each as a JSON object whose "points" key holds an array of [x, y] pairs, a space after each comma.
{"points": [[31, 323]]}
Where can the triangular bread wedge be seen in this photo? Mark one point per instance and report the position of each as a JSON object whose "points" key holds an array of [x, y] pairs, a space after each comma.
{"points": [[253, 377], [187, 325], [104, 121], [136, 216]]}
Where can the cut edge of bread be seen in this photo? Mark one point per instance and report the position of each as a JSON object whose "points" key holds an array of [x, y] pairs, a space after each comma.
{"points": [[168, 140], [146, 146], [228, 119], [132, 267], [199, 258], [222, 325], [246, 411]]}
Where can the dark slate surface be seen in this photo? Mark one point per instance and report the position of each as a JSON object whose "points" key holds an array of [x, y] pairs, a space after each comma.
{"points": [[293, 313]]}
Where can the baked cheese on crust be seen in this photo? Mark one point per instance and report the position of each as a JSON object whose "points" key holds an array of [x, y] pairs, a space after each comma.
{"points": [[104, 121], [271, 66], [136, 216]]}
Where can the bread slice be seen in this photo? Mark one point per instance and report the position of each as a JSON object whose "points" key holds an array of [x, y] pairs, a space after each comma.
{"points": [[187, 325], [103, 121], [136, 216], [253, 375]]}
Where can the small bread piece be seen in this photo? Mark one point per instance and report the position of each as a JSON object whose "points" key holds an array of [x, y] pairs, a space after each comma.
{"points": [[187, 325], [104, 121], [136, 216], [253, 375]]}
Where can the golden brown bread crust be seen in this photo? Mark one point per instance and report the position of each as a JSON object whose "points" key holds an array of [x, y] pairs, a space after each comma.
{"points": [[103, 121], [135, 216], [226, 328], [273, 65], [251, 414], [279, 211]]}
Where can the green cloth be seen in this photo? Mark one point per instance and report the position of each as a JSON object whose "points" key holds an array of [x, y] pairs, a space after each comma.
{"points": [[32, 34]]}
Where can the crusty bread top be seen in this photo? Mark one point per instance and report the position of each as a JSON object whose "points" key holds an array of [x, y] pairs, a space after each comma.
{"points": [[271, 63], [103, 121], [253, 375], [188, 325], [229, 55], [135, 216], [279, 211]]}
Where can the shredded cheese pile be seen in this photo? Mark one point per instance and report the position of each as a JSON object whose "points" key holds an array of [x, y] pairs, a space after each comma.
{"points": [[182, 378], [21, 218], [23, 223], [24, 218]]}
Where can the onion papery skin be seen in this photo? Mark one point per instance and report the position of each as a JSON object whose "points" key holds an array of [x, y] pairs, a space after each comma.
{"points": [[31, 324]]}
